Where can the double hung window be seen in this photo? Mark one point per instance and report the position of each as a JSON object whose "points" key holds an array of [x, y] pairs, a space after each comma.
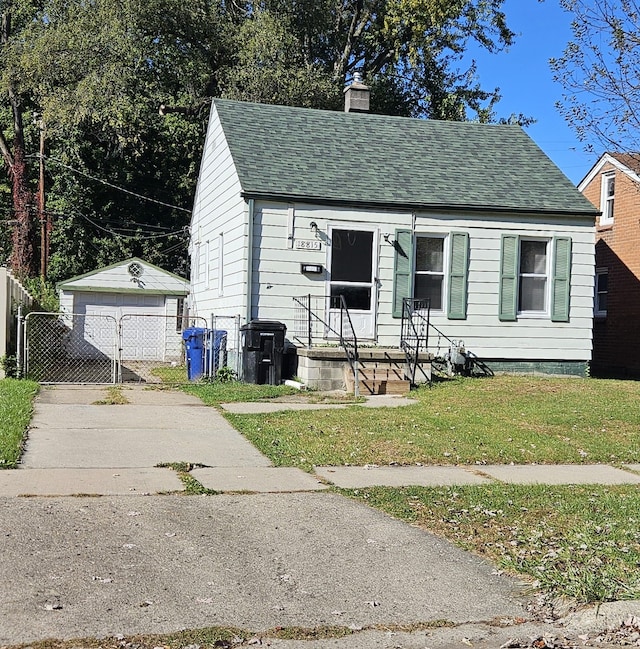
{"points": [[607, 198], [533, 277], [602, 288], [434, 267], [429, 270]]}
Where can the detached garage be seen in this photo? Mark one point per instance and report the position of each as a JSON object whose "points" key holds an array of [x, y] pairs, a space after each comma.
{"points": [[143, 301]]}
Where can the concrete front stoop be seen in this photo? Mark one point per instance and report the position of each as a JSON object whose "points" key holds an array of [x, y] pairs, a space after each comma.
{"points": [[383, 370]]}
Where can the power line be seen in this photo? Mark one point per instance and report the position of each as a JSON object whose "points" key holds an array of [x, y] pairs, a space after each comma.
{"points": [[127, 236], [108, 184]]}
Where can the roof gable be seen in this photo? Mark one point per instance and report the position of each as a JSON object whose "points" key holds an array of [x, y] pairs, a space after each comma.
{"points": [[314, 155], [117, 278], [627, 163]]}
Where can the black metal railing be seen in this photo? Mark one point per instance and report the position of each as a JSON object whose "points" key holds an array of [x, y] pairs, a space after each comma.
{"points": [[414, 341], [414, 336], [306, 321]]}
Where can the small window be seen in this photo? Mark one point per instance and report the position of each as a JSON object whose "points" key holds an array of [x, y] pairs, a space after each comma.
{"points": [[180, 315], [221, 264], [429, 271], [195, 263], [608, 198], [207, 263], [602, 287], [533, 275]]}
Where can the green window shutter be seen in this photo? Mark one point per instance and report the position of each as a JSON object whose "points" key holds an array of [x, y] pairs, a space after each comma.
{"points": [[402, 269], [508, 303], [561, 279], [458, 272]]}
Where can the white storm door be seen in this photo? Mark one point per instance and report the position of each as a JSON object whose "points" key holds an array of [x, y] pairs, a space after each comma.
{"points": [[352, 274]]}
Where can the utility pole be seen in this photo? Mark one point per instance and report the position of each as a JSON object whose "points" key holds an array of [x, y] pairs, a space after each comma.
{"points": [[44, 224]]}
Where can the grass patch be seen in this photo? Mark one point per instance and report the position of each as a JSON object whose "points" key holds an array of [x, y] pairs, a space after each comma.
{"points": [[170, 374], [192, 487], [467, 421], [217, 392], [114, 397], [16, 408], [221, 636], [581, 542]]}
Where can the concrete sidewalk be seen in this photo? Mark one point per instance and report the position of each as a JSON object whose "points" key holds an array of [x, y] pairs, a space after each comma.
{"points": [[76, 445], [358, 477]]}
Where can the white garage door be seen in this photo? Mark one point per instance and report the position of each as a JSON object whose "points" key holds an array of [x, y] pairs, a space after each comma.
{"points": [[142, 318]]}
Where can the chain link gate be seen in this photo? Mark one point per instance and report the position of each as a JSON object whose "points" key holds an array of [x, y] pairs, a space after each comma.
{"points": [[151, 348], [141, 348], [70, 348]]}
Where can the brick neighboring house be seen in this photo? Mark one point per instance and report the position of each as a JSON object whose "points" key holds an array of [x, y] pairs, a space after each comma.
{"points": [[613, 186]]}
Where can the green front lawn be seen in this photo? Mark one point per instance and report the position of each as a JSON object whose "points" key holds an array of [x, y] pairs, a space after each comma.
{"points": [[467, 421], [16, 399]]}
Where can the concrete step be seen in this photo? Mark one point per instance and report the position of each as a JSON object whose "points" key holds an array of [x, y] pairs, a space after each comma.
{"points": [[381, 373], [387, 384]]}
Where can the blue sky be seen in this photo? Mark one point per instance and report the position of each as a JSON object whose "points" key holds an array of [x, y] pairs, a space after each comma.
{"points": [[522, 73]]}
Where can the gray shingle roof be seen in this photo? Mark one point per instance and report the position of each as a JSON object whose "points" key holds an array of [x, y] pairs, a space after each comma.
{"points": [[314, 155]]}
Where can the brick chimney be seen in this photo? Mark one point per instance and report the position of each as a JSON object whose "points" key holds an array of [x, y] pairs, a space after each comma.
{"points": [[356, 96]]}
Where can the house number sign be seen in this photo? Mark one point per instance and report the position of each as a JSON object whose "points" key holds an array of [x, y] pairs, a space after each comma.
{"points": [[307, 245]]}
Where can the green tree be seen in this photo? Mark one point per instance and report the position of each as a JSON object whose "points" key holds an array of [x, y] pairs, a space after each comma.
{"points": [[410, 51], [600, 72], [17, 103], [96, 73]]}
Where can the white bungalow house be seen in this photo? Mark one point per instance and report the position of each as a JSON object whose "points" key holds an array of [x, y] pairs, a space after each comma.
{"points": [[475, 218]]}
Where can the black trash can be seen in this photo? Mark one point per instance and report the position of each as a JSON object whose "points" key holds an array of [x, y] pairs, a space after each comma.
{"points": [[262, 351]]}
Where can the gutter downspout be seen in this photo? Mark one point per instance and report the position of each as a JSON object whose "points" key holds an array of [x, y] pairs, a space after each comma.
{"points": [[251, 210]]}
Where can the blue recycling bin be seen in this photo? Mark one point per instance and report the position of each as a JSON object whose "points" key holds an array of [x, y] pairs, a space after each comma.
{"points": [[194, 339]]}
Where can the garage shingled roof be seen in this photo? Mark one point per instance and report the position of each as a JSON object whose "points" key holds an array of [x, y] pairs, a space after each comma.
{"points": [[307, 155]]}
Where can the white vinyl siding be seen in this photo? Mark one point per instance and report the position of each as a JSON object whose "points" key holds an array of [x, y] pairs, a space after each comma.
{"points": [[530, 338], [219, 208], [277, 277]]}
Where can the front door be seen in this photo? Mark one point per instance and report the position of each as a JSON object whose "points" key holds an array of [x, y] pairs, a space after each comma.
{"points": [[352, 270]]}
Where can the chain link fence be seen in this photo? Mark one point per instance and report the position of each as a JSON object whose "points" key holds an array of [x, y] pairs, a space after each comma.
{"points": [[141, 348], [151, 347], [70, 348], [224, 354]]}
